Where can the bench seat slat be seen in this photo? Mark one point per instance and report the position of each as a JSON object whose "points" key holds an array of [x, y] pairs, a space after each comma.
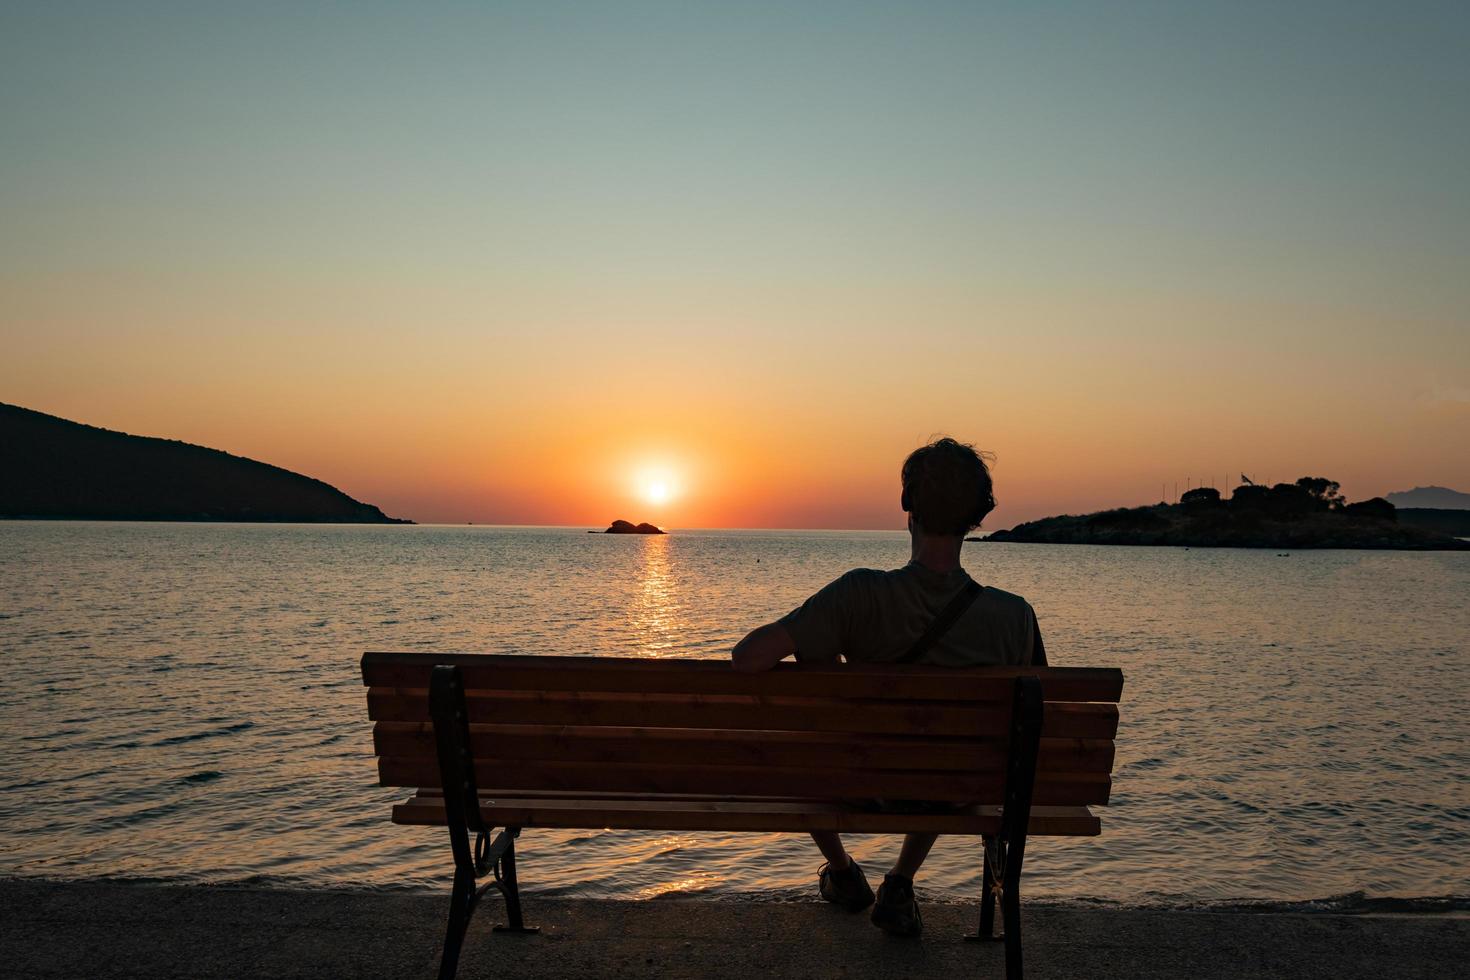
{"points": [[433, 792], [735, 712], [819, 783], [742, 815], [688, 676], [714, 747]]}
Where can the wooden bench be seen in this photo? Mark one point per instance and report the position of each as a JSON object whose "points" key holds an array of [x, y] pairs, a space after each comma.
{"points": [[589, 742]]}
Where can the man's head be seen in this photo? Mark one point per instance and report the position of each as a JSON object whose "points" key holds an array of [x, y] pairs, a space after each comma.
{"points": [[946, 488]]}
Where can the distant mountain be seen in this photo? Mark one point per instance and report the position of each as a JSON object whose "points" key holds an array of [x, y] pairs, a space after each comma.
{"points": [[1437, 498], [53, 468]]}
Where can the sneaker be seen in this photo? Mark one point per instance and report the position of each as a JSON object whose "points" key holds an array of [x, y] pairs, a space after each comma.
{"points": [[896, 911], [848, 888]]}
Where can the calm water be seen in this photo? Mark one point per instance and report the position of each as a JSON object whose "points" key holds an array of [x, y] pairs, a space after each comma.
{"points": [[183, 702]]}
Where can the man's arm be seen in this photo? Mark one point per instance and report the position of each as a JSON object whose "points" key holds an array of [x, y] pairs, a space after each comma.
{"points": [[1038, 648], [763, 648], [816, 629]]}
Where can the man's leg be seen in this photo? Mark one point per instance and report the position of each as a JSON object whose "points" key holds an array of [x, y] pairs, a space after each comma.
{"points": [[911, 856], [897, 911], [829, 842], [840, 880]]}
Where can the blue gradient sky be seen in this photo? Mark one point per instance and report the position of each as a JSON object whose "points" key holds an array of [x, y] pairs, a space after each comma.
{"points": [[482, 261]]}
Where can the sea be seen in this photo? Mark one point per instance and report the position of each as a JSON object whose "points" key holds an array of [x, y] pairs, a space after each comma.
{"points": [[183, 703]]}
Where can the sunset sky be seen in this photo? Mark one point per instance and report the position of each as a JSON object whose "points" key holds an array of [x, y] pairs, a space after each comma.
{"points": [[532, 263]]}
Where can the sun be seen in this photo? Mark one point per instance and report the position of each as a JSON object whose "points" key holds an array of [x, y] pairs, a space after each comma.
{"points": [[656, 484]]}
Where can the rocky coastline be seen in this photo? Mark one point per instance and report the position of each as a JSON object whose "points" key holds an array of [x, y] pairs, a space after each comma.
{"points": [[1306, 514]]}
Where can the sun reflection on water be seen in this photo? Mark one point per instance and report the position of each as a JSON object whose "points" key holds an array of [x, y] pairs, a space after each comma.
{"points": [[693, 883], [655, 615]]}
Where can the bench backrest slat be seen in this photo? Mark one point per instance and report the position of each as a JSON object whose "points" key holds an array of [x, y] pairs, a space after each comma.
{"points": [[1062, 718], [509, 672], [504, 776], [564, 743], [583, 724]]}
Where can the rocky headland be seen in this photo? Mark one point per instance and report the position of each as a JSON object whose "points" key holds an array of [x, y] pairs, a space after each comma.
{"points": [[54, 469], [1307, 514]]}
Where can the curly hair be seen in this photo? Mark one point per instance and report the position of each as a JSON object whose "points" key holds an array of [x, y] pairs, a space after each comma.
{"points": [[947, 487]]}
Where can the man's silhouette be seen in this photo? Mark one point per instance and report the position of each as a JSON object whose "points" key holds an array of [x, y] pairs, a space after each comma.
{"points": [[931, 612]]}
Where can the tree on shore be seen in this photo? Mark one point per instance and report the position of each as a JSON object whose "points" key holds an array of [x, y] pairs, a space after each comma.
{"points": [[1324, 490], [1374, 508], [1201, 497]]}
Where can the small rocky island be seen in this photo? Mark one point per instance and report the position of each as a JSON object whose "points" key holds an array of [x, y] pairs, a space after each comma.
{"points": [[627, 527], [1309, 513]]}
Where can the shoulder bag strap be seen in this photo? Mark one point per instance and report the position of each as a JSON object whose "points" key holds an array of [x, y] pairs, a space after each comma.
{"points": [[947, 617]]}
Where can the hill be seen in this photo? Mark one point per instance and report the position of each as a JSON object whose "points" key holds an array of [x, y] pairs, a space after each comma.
{"points": [[1306, 514], [53, 468], [1432, 498]]}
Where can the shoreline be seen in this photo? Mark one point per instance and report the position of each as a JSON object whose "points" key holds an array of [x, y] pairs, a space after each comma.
{"points": [[1347, 903], [109, 929]]}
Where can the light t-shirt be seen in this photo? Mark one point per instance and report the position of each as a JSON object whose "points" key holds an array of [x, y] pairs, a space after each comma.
{"points": [[871, 616]]}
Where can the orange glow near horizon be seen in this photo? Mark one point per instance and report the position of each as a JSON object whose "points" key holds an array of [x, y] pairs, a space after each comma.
{"points": [[822, 451], [440, 440]]}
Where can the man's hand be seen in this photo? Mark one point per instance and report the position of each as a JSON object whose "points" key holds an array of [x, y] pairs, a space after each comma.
{"points": [[763, 648]]}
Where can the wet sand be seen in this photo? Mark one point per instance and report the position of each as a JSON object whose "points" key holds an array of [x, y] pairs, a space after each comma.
{"points": [[107, 930]]}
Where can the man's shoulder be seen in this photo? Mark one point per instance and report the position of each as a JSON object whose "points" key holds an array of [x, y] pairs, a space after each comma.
{"points": [[999, 602], [861, 574], [859, 578], [1003, 598]]}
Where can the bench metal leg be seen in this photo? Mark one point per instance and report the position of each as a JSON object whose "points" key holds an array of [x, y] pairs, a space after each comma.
{"points": [[505, 879], [987, 894], [1010, 910], [462, 814], [461, 907], [1004, 855]]}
